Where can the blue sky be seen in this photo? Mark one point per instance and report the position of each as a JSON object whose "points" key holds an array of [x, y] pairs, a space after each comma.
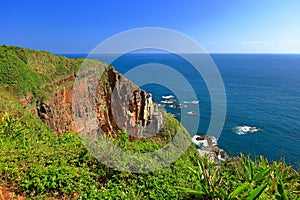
{"points": [[248, 26]]}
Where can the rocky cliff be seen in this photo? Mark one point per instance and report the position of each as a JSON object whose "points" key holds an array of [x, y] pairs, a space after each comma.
{"points": [[119, 105], [56, 112], [44, 83]]}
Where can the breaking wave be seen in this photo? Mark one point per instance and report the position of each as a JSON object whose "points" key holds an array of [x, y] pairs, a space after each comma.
{"points": [[242, 130]]}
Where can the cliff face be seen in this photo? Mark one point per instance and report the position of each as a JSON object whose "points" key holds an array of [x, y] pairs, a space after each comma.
{"points": [[43, 82], [120, 105], [57, 112], [131, 107]]}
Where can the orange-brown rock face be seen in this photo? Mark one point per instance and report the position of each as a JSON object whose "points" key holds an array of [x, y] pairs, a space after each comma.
{"points": [[118, 103], [57, 112]]}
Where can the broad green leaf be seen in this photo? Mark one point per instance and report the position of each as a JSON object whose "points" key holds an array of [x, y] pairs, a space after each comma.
{"points": [[257, 192], [280, 189], [238, 190], [284, 173], [261, 175]]}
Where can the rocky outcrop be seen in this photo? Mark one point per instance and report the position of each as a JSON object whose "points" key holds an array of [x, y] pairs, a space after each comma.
{"points": [[56, 112], [130, 107], [207, 146], [118, 102]]}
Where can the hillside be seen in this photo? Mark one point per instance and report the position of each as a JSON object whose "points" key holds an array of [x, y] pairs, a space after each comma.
{"points": [[42, 156]]}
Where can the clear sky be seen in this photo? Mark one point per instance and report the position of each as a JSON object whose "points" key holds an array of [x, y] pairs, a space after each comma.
{"points": [[268, 26]]}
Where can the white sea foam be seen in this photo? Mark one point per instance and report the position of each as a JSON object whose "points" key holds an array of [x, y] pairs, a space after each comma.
{"points": [[191, 113], [168, 101], [178, 106], [168, 97], [242, 130], [191, 102], [199, 143]]}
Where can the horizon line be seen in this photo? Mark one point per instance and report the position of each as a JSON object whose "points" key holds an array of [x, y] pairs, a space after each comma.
{"points": [[74, 53]]}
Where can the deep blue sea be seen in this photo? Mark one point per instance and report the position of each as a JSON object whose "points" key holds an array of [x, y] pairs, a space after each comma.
{"points": [[262, 90]]}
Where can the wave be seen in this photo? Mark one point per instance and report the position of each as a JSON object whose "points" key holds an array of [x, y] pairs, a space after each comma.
{"points": [[242, 130], [191, 113], [191, 102], [178, 106], [168, 97], [168, 101]]}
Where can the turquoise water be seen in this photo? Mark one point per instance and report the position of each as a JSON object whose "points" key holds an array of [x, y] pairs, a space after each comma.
{"points": [[263, 90]]}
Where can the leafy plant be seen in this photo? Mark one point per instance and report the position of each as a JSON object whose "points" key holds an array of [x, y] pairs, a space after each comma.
{"points": [[13, 128], [244, 179]]}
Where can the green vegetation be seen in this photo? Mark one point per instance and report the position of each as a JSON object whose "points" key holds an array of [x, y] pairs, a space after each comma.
{"points": [[43, 165], [24, 71], [37, 164], [245, 179]]}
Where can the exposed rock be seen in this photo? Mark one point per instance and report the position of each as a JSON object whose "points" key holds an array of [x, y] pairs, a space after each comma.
{"points": [[5, 194], [57, 112], [64, 80], [131, 107], [208, 151], [26, 99], [207, 146], [120, 104]]}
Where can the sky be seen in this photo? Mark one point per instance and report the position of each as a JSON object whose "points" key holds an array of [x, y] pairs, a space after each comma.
{"points": [[219, 26]]}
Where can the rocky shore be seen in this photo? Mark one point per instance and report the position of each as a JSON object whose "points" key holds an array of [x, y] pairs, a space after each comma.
{"points": [[207, 146]]}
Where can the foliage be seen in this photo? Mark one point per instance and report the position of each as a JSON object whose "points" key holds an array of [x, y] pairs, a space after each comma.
{"points": [[48, 166], [25, 71], [245, 179], [143, 145], [52, 166]]}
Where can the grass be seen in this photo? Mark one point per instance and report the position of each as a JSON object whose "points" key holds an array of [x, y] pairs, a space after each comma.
{"points": [[40, 166], [26, 71]]}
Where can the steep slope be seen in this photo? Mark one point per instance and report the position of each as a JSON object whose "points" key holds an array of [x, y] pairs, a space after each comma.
{"points": [[25, 71], [43, 83]]}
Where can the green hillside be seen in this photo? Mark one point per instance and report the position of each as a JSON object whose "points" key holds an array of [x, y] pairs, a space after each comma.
{"points": [[36, 164], [26, 71]]}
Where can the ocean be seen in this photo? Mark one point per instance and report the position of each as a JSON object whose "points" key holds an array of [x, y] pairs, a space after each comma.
{"points": [[262, 92]]}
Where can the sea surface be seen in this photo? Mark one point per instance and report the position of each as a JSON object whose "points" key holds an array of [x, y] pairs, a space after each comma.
{"points": [[262, 91]]}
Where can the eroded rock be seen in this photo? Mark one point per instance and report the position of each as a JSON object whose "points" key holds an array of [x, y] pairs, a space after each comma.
{"points": [[119, 105]]}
